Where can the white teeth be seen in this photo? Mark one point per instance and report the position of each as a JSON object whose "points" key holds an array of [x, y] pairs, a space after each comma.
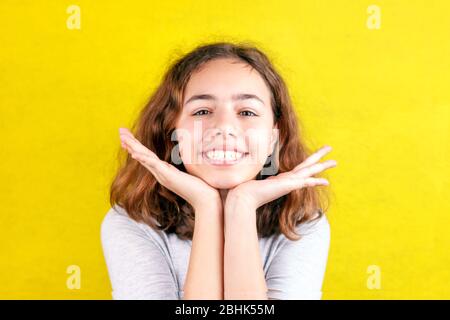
{"points": [[223, 155]]}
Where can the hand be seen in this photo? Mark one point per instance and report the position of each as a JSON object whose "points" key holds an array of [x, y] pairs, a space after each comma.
{"points": [[192, 189], [256, 193]]}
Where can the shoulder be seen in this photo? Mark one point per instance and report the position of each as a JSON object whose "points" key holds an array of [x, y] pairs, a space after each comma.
{"points": [[137, 258], [313, 234], [318, 227], [117, 220], [314, 240], [117, 225], [297, 269]]}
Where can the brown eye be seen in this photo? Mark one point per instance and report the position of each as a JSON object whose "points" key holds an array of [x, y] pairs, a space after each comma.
{"points": [[197, 113], [252, 114]]}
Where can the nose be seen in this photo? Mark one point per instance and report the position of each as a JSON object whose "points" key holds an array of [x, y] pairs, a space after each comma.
{"points": [[225, 131], [225, 124]]}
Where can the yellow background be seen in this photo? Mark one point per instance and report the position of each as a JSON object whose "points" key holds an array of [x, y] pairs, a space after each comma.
{"points": [[380, 97]]}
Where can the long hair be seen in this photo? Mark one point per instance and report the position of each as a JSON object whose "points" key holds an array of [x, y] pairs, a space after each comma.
{"points": [[145, 200]]}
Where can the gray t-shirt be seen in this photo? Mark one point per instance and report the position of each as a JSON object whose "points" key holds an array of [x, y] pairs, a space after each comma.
{"points": [[144, 263]]}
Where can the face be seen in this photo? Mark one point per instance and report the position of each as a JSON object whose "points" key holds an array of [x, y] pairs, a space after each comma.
{"points": [[226, 128]]}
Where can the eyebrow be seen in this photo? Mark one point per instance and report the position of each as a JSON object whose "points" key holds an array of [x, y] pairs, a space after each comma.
{"points": [[236, 97]]}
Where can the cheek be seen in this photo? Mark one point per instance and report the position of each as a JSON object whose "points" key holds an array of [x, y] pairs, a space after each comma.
{"points": [[190, 152], [187, 146], [185, 149], [259, 147]]}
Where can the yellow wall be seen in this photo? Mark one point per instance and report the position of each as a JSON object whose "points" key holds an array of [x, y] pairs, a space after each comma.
{"points": [[380, 97]]}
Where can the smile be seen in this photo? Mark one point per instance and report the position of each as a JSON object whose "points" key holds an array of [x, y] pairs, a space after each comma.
{"points": [[223, 157]]}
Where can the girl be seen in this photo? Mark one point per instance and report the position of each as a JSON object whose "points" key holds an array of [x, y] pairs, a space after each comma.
{"points": [[195, 212]]}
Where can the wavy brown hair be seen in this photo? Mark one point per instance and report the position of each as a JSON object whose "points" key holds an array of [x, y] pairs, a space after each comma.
{"points": [[145, 200]]}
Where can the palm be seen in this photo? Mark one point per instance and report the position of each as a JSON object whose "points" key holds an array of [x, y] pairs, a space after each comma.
{"points": [[260, 192], [193, 189]]}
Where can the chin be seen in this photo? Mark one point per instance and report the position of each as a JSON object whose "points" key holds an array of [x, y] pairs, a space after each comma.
{"points": [[224, 184], [222, 179]]}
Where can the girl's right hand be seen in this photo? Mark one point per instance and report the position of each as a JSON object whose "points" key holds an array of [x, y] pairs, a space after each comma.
{"points": [[192, 189]]}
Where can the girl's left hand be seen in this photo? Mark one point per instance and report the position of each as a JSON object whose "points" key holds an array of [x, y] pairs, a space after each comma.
{"points": [[256, 193]]}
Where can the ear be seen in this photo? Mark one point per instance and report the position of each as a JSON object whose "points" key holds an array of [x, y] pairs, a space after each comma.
{"points": [[274, 138]]}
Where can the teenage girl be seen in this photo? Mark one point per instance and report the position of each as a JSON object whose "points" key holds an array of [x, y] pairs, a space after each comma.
{"points": [[217, 197]]}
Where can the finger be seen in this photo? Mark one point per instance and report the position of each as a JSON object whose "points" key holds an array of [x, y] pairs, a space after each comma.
{"points": [[278, 186], [315, 168], [126, 147], [289, 184], [164, 172], [134, 146], [294, 183], [151, 165], [311, 182], [313, 158], [144, 159], [124, 132]]}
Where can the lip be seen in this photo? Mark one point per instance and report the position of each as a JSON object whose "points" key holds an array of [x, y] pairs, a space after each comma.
{"points": [[223, 162], [225, 148]]}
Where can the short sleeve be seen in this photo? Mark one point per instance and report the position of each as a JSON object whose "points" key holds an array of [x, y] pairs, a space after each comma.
{"points": [[137, 268], [298, 268]]}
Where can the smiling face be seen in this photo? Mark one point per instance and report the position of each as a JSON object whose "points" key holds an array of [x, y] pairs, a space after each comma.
{"points": [[226, 128]]}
